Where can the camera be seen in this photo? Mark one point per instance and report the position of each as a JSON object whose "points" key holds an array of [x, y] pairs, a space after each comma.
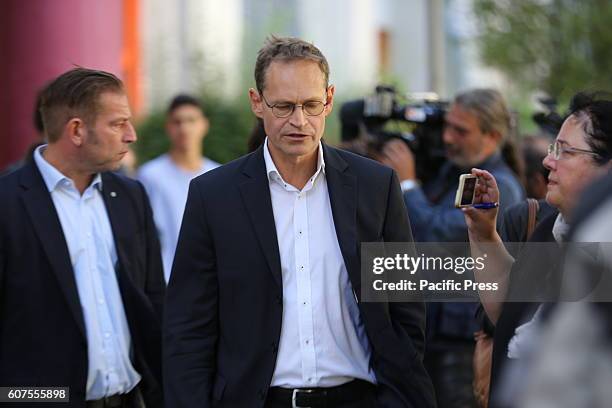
{"points": [[368, 123], [547, 119]]}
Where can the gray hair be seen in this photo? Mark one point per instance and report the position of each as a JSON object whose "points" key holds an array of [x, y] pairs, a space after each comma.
{"points": [[287, 49], [489, 107]]}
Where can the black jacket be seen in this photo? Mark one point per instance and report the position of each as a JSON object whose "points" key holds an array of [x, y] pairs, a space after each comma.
{"points": [[42, 331], [224, 303]]}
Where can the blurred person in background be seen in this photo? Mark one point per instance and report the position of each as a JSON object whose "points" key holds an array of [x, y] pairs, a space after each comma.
{"points": [[81, 281], [257, 136], [37, 122], [477, 125], [580, 153], [515, 218], [533, 150], [167, 177]]}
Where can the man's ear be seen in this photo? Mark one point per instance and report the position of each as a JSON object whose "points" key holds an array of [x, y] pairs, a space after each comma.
{"points": [[496, 137], [331, 90], [75, 128], [206, 125], [256, 102]]}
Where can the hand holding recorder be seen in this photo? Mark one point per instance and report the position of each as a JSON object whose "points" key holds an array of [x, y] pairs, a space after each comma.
{"points": [[479, 188]]}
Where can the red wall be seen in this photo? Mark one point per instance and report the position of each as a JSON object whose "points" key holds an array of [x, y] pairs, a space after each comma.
{"points": [[39, 39]]}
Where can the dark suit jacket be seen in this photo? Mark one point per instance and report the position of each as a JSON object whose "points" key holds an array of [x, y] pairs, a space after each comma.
{"points": [[225, 297], [532, 258], [42, 331]]}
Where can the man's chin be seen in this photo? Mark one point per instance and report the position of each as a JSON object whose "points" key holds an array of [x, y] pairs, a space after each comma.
{"points": [[110, 166], [460, 162]]}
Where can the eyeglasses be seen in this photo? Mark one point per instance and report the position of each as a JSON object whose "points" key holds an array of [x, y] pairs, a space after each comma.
{"points": [[556, 149], [285, 109]]}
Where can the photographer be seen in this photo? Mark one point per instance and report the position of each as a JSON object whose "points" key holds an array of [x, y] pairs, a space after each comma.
{"points": [[476, 127]]}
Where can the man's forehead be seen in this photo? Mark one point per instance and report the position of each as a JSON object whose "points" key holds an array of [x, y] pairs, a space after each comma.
{"points": [[108, 98], [294, 73], [114, 102], [186, 110]]}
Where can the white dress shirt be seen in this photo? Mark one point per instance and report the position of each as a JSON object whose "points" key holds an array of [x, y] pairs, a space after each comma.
{"points": [[323, 341], [91, 246]]}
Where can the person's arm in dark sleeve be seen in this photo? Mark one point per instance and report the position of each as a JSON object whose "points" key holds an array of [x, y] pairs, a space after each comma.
{"points": [[409, 315], [408, 318], [155, 287], [434, 223], [2, 260], [191, 315]]}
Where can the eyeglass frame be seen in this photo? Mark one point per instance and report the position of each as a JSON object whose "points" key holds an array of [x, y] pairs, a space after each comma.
{"points": [[294, 105], [560, 149]]}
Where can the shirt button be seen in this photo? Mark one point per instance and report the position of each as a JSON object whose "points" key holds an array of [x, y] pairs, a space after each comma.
{"points": [[101, 301], [307, 341], [107, 335]]}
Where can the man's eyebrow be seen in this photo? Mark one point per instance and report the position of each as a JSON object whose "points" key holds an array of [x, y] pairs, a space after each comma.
{"points": [[286, 101], [121, 119], [456, 127]]}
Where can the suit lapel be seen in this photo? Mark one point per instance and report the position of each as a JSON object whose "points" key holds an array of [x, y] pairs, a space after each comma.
{"points": [[258, 203], [41, 210], [342, 187], [117, 205]]}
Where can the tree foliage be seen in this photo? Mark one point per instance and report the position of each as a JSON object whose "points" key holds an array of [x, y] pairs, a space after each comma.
{"points": [[558, 46]]}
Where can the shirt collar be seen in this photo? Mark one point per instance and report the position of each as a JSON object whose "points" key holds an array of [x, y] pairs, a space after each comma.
{"points": [[53, 177], [274, 174], [560, 229]]}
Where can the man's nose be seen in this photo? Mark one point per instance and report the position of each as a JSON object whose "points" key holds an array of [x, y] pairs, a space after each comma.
{"points": [[298, 117], [447, 137], [130, 134]]}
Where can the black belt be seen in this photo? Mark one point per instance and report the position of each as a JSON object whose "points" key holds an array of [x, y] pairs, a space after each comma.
{"points": [[114, 401], [321, 397]]}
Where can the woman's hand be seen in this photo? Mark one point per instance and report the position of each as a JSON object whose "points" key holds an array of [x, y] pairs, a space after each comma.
{"points": [[482, 223]]}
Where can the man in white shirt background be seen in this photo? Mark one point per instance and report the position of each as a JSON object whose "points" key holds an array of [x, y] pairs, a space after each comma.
{"points": [[166, 178]]}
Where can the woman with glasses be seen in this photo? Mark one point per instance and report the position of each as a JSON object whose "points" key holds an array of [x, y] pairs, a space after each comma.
{"points": [[580, 153]]}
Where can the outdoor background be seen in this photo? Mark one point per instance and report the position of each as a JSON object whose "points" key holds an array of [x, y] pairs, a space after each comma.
{"points": [[525, 48]]}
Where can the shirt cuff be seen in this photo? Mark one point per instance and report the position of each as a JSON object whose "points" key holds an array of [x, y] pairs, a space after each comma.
{"points": [[408, 185]]}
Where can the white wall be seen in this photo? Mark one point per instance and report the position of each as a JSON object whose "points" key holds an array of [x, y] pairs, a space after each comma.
{"points": [[189, 45]]}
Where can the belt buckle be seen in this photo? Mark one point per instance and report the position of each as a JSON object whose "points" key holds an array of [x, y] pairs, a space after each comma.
{"points": [[294, 397]]}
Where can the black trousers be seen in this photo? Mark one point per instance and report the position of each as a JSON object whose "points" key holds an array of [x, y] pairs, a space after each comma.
{"points": [[452, 373], [359, 395]]}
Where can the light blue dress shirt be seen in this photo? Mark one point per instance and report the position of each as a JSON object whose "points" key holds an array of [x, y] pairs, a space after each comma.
{"points": [[89, 237], [167, 186]]}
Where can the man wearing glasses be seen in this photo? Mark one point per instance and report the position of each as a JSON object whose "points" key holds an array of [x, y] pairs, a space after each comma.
{"points": [[263, 306]]}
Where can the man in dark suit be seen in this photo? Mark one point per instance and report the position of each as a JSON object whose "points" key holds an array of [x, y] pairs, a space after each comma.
{"points": [[263, 305], [81, 282]]}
